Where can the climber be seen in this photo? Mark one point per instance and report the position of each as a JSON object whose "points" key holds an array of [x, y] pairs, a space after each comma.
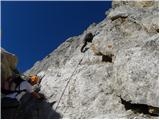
{"points": [[35, 80], [17, 87], [88, 38], [38, 80], [18, 92]]}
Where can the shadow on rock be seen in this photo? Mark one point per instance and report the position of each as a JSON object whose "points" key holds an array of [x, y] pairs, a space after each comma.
{"points": [[30, 108]]}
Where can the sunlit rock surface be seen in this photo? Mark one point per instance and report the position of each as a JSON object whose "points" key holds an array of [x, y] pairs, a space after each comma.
{"points": [[121, 62]]}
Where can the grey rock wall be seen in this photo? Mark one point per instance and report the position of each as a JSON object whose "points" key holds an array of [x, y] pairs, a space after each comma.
{"points": [[128, 36]]}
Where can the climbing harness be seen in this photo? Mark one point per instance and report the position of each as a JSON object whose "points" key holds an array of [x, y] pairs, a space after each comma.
{"points": [[69, 82]]}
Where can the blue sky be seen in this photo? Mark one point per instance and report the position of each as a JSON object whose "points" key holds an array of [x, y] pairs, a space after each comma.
{"points": [[31, 30]]}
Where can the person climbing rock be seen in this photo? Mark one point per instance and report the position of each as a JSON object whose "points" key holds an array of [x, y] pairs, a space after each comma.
{"points": [[36, 86], [34, 80], [17, 87], [88, 38], [15, 92]]}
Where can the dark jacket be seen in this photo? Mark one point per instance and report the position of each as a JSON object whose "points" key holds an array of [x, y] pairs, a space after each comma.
{"points": [[87, 38]]}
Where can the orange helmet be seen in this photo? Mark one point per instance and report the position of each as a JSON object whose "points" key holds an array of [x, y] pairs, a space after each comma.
{"points": [[34, 79]]}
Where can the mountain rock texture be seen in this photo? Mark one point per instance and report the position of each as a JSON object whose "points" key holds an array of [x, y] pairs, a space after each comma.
{"points": [[117, 76], [8, 64]]}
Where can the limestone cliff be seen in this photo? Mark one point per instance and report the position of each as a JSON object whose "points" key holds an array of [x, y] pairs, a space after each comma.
{"points": [[8, 64], [117, 76]]}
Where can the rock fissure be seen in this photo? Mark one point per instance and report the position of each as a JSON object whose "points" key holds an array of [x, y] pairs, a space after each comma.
{"points": [[140, 108], [107, 58]]}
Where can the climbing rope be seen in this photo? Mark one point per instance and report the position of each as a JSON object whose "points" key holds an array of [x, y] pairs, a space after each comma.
{"points": [[68, 82]]}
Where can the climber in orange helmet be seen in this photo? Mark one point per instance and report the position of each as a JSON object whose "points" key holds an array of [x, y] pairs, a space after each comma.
{"points": [[34, 79]]}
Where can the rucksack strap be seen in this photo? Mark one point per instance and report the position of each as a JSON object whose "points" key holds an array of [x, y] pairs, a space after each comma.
{"points": [[6, 92]]}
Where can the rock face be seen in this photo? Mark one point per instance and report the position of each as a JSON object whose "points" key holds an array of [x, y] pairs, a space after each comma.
{"points": [[8, 64], [118, 70]]}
